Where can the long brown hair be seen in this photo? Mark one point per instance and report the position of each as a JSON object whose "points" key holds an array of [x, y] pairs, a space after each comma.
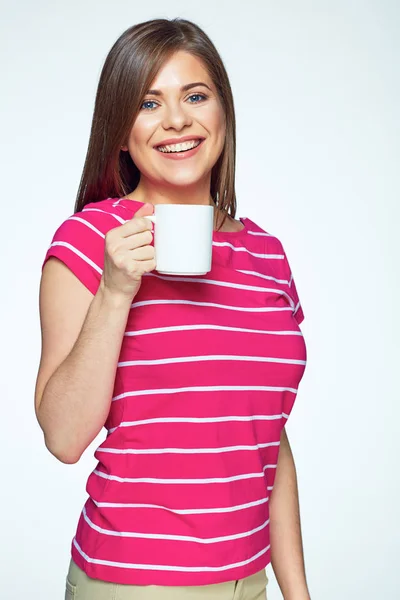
{"points": [[131, 65]]}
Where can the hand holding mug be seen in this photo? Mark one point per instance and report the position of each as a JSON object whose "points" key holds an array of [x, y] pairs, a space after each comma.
{"points": [[128, 254]]}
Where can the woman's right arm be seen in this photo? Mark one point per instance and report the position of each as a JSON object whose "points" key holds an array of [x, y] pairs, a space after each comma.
{"points": [[82, 336]]}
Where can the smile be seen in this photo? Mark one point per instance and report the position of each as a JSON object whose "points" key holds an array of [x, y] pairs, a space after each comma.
{"points": [[183, 147]]}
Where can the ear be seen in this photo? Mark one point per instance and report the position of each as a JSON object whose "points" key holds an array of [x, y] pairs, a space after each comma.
{"points": [[124, 148]]}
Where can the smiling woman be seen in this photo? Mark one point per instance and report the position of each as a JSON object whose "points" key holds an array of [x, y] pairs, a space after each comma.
{"points": [[193, 377]]}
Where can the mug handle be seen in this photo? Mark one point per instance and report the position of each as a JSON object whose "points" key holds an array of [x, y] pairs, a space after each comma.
{"points": [[151, 218]]}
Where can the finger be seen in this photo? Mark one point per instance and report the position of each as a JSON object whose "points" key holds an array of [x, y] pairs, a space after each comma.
{"points": [[146, 209], [142, 266], [143, 253], [137, 240], [135, 225], [148, 265]]}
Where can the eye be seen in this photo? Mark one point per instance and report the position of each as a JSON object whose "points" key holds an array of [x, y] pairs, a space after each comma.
{"points": [[146, 103], [196, 98]]}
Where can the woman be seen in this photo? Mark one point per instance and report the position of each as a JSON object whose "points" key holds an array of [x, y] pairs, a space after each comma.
{"points": [[193, 378]]}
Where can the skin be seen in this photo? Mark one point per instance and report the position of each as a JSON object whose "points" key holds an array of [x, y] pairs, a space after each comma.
{"points": [[287, 556], [175, 113]]}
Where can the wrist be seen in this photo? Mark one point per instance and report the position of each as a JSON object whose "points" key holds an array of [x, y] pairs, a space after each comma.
{"points": [[114, 300]]}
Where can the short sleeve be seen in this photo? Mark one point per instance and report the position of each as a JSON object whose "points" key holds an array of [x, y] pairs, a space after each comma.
{"points": [[79, 244], [292, 290]]}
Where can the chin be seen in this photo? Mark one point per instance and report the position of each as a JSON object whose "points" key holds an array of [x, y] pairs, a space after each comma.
{"points": [[184, 180]]}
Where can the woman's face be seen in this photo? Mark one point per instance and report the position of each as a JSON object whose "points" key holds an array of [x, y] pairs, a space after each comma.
{"points": [[181, 106]]}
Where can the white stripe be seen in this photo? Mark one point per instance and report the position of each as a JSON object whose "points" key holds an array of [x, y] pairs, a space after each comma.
{"points": [[198, 420], [212, 304], [87, 225], [202, 358], [210, 326], [149, 567], [218, 450], [78, 253], [187, 511], [206, 388], [260, 233], [117, 217], [235, 286], [159, 480], [256, 274], [171, 537], [242, 249]]}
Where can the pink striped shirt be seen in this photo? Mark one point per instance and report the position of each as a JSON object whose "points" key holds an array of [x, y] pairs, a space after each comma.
{"points": [[207, 376]]}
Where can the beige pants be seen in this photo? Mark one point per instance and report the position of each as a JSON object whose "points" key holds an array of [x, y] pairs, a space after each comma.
{"points": [[81, 587]]}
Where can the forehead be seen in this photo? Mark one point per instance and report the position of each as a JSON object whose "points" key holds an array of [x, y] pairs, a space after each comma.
{"points": [[181, 68]]}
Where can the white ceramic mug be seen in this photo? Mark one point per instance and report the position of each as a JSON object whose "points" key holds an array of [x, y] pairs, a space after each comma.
{"points": [[183, 238]]}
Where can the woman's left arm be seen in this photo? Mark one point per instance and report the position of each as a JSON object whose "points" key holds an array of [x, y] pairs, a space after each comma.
{"points": [[285, 531]]}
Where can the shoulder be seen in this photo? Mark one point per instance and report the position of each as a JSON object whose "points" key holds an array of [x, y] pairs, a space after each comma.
{"points": [[98, 218], [120, 209], [106, 214], [276, 259], [269, 246], [79, 240], [270, 241]]}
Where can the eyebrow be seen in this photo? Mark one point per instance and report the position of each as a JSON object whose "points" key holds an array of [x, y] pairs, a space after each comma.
{"points": [[184, 88]]}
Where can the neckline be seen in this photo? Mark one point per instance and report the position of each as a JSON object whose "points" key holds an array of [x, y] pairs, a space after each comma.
{"points": [[242, 231], [126, 202]]}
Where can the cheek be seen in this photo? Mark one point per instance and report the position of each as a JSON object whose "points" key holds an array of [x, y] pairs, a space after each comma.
{"points": [[139, 142], [217, 124], [141, 131], [220, 130]]}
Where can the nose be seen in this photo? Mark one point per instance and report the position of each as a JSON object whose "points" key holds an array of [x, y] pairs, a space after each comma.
{"points": [[176, 116]]}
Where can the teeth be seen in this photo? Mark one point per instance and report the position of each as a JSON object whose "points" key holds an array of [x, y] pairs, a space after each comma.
{"points": [[179, 147]]}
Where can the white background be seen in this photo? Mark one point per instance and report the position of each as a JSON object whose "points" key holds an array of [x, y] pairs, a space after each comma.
{"points": [[316, 88]]}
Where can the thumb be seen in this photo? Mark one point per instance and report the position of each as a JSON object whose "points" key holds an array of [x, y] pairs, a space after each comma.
{"points": [[145, 210]]}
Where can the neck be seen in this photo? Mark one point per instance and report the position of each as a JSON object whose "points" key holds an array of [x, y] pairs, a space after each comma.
{"points": [[198, 193], [148, 191]]}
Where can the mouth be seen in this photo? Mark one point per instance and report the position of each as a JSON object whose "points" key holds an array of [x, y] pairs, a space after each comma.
{"points": [[180, 148]]}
